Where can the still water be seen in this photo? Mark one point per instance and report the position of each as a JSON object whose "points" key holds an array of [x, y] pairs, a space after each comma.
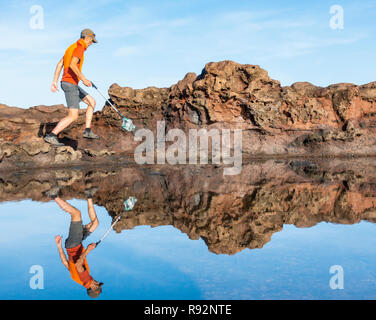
{"points": [[287, 229]]}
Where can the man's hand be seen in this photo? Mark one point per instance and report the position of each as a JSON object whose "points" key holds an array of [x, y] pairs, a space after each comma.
{"points": [[59, 67], [90, 247], [58, 240], [63, 257], [86, 82], [54, 87]]}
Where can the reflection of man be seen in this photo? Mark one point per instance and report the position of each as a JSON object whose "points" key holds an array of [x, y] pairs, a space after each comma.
{"points": [[76, 263]]}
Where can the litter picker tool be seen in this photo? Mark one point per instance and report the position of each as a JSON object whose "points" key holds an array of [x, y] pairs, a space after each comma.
{"points": [[127, 123], [129, 204]]}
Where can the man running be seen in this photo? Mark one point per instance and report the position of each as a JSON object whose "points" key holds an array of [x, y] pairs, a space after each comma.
{"points": [[72, 62]]}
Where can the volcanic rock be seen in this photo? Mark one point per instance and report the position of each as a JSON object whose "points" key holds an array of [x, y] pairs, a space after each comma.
{"points": [[301, 120]]}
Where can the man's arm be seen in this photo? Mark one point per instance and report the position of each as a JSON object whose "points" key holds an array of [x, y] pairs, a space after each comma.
{"points": [[74, 66], [63, 257], [59, 66], [80, 261]]}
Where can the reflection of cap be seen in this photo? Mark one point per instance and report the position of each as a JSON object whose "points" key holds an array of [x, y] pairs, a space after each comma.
{"points": [[88, 32], [95, 293]]}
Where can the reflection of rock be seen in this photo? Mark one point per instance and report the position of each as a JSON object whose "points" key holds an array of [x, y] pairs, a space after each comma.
{"points": [[67, 177], [100, 153], [228, 213], [301, 119]]}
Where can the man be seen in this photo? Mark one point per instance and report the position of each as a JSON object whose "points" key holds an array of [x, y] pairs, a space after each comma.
{"points": [[72, 62], [76, 263]]}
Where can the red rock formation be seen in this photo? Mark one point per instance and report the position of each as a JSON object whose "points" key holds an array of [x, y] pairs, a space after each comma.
{"points": [[298, 120]]}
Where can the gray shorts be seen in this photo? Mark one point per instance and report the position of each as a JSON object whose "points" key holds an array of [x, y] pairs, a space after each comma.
{"points": [[73, 94], [77, 234]]}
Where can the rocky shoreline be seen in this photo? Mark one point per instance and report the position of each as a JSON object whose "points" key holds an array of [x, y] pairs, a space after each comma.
{"points": [[301, 120]]}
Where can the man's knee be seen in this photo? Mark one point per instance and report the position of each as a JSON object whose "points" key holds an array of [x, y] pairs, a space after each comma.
{"points": [[92, 225], [73, 115], [76, 215], [90, 101], [95, 223]]}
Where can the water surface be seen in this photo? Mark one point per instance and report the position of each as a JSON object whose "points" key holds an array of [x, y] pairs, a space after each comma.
{"points": [[272, 232]]}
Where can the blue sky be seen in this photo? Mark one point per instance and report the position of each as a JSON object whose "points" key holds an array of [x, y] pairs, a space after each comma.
{"points": [[155, 43]]}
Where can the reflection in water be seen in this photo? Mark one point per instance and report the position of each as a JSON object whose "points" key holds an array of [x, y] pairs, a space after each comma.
{"points": [[76, 262], [128, 205], [229, 213]]}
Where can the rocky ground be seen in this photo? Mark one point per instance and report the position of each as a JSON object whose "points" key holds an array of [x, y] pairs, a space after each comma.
{"points": [[301, 120]]}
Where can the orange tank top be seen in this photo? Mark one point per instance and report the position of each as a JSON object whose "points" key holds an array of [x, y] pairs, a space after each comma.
{"points": [[73, 254], [75, 50]]}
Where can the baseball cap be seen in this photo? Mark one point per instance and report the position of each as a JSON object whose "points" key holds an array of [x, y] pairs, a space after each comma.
{"points": [[88, 32], [94, 294]]}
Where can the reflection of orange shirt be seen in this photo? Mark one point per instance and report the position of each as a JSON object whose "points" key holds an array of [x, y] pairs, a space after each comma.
{"points": [[75, 50], [83, 278]]}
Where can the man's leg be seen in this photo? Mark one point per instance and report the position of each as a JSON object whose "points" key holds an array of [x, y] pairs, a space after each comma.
{"points": [[72, 96], [89, 100], [92, 215], [66, 121], [63, 123], [76, 230], [74, 212], [88, 133]]}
